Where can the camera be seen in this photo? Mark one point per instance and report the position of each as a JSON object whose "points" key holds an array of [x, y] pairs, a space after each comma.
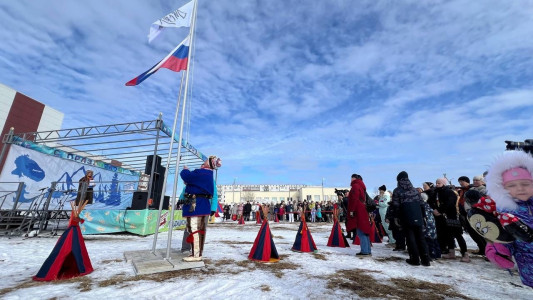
{"points": [[341, 192], [526, 146]]}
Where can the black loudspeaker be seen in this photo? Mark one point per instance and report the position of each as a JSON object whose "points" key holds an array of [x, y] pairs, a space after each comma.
{"points": [[157, 184], [157, 177], [140, 200], [149, 161], [166, 202]]}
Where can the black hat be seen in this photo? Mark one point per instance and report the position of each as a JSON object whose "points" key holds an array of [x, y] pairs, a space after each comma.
{"points": [[473, 196], [382, 188], [429, 183], [464, 178], [357, 176], [402, 175]]}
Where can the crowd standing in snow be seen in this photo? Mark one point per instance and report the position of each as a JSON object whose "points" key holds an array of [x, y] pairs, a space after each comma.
{"points": [[320, 211], [428, 221]]}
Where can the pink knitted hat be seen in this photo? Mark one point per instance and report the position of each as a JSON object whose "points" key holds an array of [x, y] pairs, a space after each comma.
{"points": [[516, 174]]}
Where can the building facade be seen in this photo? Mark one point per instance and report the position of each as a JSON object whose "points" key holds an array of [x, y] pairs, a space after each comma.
{"points": [[25, 114], [274, 193]]}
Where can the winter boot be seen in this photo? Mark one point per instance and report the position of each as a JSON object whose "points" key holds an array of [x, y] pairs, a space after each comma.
{"points": [[465, 258], [425, 260], [412, 262], [450, 255], [192, 258]]}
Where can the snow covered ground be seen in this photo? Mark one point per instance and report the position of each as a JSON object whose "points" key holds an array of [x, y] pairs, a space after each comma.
{"points": [[230, 275]]}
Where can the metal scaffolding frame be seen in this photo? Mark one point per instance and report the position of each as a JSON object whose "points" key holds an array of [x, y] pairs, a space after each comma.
{"points": [[126, 145], [106, 143]]}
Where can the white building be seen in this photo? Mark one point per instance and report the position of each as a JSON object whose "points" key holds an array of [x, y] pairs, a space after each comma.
{"points": [[275, 193]]}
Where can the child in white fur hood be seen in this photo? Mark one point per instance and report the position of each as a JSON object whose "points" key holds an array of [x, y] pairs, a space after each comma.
{"points": [[510, 185]]}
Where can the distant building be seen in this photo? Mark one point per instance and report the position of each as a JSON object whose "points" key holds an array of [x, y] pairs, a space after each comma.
{"points": [[275, 193], [25, 114]]}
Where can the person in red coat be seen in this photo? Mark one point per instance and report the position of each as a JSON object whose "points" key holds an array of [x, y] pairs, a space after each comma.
{"points": [[358, 218]]}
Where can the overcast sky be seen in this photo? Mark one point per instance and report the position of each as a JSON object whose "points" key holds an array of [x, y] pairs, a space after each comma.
{"points": [[294, 91]]}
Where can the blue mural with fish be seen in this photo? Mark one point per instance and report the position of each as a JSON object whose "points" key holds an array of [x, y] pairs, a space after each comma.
{"points": [[37, 170], [25, 166]]}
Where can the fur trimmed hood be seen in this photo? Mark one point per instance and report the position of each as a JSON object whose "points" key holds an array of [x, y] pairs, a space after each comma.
{"points": [[495, 189]]}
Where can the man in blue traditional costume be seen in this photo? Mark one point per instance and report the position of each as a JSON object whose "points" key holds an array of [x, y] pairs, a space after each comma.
{"points": [[199, 203]]}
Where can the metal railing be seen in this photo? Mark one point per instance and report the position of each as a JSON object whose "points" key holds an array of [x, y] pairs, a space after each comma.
{"points": [[16, 192], [47, 207]]}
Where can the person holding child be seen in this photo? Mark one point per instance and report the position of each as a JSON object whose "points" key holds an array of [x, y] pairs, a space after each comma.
{"points": [[510, 185]]}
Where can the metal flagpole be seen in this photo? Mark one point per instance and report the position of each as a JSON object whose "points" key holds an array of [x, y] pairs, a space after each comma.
{"points": [[178, 156], [167, 167]]}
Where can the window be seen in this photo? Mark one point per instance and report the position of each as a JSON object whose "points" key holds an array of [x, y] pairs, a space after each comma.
{"points": [[317, 198], [281, 199], [275, 199]]}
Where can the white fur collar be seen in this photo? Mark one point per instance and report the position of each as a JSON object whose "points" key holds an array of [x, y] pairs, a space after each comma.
{"points": [[508, 160]]}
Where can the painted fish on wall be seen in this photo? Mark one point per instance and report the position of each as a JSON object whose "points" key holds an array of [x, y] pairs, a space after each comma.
{"points": [[25, 166]]}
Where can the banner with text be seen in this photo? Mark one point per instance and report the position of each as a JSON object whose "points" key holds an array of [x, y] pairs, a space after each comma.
{"points": [[113, 190]]}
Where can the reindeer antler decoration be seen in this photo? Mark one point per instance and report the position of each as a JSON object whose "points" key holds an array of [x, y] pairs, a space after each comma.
{"points": [[76, 210]]}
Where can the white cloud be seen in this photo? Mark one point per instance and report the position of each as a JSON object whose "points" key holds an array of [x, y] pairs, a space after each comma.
{"points": [[293, 92]]}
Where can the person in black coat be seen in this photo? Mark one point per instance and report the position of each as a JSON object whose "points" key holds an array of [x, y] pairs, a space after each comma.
{"points": [[429, 189], [410, 211], [246, 211], [395, 227], [344, 203], [472, 197], [226, 212], [447, 209], [440, 221]]}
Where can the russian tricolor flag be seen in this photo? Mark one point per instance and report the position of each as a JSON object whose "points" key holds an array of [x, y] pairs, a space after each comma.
{"points": [[176, 61]]}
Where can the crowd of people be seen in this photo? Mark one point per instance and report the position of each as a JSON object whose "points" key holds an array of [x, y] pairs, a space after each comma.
{"points": [[290, 211], [428, 221]]}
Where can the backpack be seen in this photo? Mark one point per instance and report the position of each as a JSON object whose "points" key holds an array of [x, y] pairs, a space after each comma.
{"points": [[369, 203]]}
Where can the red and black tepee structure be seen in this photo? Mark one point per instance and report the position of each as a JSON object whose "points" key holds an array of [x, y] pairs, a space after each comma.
{"points": [[304, 241], [264, 249], [337, 238], [69, 258]]}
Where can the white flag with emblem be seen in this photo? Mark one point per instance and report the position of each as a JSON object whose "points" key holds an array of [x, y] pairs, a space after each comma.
{"points": [[181, 17]]}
